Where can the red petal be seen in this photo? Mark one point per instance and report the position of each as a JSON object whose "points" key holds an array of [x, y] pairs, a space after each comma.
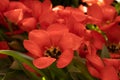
{"points": [[3, 56], [65, 58], [91, 49], [94, 72], [70, 41], [40, 37], [112, 31], [109, 73], [90, 1], [47, 5], [18, 5], [109, 12], [79, 29], [47, 18], [55, 37], [3, 45], [112, 62], [115, 56], [108, 2], [43, 62], [95, 11], [28, 24], [33, 48], [78, 15], [57, 27], [56, 32], [4, 4], [14, 15], [35, 6], [99, 40], [95, 61]]}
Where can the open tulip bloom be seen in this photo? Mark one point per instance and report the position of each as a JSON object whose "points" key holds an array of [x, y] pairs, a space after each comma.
{"points": [[59, 40]]}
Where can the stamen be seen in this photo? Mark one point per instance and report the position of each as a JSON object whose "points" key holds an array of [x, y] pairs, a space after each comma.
{"points": [[53, 52], [114, 48]]}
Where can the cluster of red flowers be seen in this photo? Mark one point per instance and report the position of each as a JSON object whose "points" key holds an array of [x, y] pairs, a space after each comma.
{"points": [[54, 33]]}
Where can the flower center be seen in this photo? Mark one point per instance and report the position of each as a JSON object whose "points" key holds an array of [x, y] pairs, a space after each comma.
{"points": [[53, 52], [114, 48]]}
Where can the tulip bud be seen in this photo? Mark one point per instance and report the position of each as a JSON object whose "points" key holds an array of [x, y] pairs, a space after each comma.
{"points": [[14, 16], [28, 24]]}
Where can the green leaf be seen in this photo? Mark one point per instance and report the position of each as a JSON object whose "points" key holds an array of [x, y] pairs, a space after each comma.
{"points": [[31, 75], [22, 58], [105, 53]]}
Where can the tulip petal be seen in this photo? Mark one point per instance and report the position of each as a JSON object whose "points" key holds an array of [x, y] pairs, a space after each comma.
{"points": [[43, 62], [18, 5], [4, 4], [95, 61], [57, 27], [15, 15], [108, 9], [112, 62], [35, 6], [4, 45], [70, 41], [95, 11], [93, 71], [28, 24], [99, 40], [55, 37], [32, 47], [109, 73], [65, 58], [112, 31], [56, 32], [40, 37]]}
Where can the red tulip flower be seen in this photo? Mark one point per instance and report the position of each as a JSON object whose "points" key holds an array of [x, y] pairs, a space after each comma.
{"points": [[102, 14], [50, 46], [104, 69], [92, 41]]}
